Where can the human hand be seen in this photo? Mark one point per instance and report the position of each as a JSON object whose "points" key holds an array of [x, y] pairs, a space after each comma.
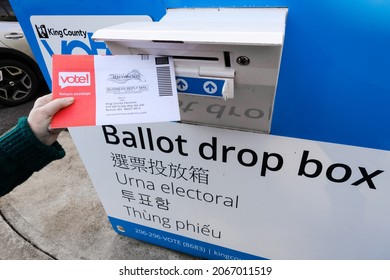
{"points": [[41, 115]]}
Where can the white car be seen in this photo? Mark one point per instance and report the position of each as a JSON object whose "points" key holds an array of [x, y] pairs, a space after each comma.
{"points": [[20, 77]]}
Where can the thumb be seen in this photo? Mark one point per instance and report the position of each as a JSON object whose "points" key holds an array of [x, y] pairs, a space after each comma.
{"points": [[55, 105]]}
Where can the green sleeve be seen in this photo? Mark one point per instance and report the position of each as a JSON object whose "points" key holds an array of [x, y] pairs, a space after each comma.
{"points": [[22, 154]]}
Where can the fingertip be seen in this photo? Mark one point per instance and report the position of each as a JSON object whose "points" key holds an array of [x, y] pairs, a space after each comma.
{"points": [[70, 100], [57, 104], [66, 101]]}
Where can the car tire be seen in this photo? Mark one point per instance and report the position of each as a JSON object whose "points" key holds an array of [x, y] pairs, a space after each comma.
{"points": [[18, 83]]}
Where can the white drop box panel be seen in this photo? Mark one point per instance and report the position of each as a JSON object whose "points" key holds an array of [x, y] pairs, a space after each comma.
{"points": [[226, 60]]}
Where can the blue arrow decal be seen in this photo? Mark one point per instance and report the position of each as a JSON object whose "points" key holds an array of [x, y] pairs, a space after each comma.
{"points": [[200, 86]]}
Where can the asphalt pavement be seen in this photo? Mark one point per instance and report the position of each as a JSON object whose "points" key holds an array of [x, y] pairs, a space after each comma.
{"points": [[10, 115], [56, 214]]}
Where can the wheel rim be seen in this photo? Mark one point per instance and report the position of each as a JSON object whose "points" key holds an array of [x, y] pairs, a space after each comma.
{"points": [[15, 84]]}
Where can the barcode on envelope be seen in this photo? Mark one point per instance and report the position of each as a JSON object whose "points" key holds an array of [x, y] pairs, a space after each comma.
{"points": [[164, 81]]}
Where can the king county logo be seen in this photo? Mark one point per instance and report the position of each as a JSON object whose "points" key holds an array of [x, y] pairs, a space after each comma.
{"points": [[124, 77]]}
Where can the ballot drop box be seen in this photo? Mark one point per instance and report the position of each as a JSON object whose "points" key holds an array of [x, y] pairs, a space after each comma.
{"points": [[216, 184]]}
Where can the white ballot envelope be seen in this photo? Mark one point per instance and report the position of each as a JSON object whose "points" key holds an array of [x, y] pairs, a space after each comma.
{"points": [[118, 89]]}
